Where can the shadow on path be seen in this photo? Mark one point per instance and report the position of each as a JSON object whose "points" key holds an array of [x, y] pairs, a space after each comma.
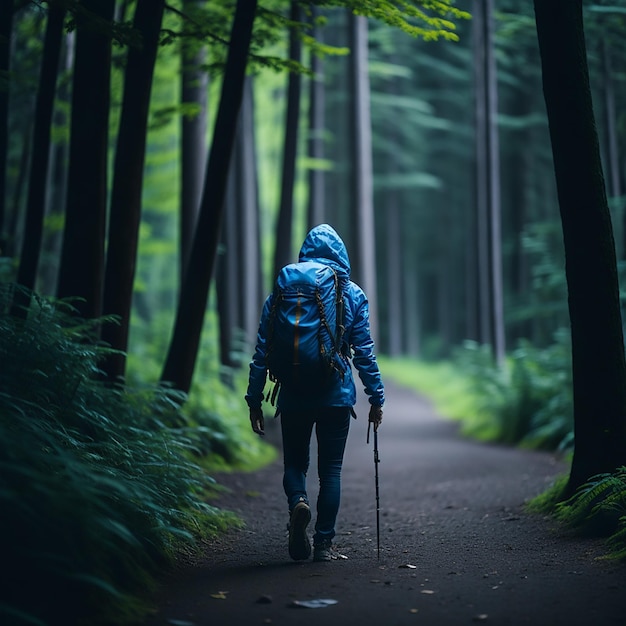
{"points": [[456, 545]]}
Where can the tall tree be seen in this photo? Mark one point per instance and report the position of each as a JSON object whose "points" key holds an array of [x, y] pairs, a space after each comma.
{"points": [[284, 244], [251, 278], [36, 199], [6, 21], [194, 94], [181, 357], [316, 132], [56, 200], [491, 317], [81, 273], [227, 266], [598, 363], [125, 212], [611, 134], [238, 277], [362, 210]]}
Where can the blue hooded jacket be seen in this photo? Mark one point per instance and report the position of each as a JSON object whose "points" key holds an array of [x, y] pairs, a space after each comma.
{"points": [[324, 245]]}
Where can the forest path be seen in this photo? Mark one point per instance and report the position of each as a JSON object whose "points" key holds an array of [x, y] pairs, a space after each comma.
{"points": [[451, 507]]}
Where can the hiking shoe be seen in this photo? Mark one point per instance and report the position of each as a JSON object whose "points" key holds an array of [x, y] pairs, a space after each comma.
{"points": [[299, 544], [324, 552]]}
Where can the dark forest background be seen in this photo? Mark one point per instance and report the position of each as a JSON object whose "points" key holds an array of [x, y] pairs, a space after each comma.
{"points": [[159, 162]]}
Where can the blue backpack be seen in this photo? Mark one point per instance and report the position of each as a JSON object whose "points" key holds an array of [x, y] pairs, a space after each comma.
{"points": [[305, 328]]}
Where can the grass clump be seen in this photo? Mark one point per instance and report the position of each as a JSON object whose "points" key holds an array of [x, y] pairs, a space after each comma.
{"points": [[100, 488]]}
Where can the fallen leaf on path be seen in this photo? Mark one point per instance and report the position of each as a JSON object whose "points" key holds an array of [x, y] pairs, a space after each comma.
{"points": [[220, 595], [312, 604], [407, 566], [428, 592], [413, 610], [481, 618]]}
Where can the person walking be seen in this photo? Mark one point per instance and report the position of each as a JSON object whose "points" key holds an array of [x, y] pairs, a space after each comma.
{"points": [[328, 409]]}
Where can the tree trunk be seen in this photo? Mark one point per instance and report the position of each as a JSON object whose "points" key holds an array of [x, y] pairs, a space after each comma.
{"points": [[183, 349], [611, 136], [489, 255], [81, 273], [251, 280], [6, 21], [316, 213], [227, 267], [194, 89], [14, 222], [364, 266], [394, 274], [57, 182], [125, 214], [36, 199], [284, 244], [412, 305], [598, 364]]}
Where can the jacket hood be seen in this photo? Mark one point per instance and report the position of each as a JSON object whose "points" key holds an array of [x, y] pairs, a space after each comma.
{"points": [[325, 245]]}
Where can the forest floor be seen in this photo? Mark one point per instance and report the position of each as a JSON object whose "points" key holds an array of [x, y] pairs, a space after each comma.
{"points": [[456, 545]]}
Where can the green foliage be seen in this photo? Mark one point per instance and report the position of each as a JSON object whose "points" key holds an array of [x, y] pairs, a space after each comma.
{"points": [[598, 508], [426, 19], [215, 415], [98, 490], [210, 22], [528, 402], [547, 501]]}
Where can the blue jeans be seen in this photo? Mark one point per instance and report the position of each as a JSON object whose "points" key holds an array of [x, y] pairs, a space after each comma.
{"points": [[331, 429]]}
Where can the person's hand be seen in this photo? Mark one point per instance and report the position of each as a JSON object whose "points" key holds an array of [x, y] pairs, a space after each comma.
{"points": [[375, 416], [257, 421]]}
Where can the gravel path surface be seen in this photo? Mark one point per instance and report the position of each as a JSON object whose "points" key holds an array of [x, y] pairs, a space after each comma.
{"points": [[456, 546]]}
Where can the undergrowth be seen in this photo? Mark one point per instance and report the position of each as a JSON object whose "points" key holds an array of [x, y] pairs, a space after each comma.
{"points": [[526, 402], [100, 489]]}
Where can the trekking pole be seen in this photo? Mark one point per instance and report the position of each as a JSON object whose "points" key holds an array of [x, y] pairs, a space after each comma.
{"points": [[376, 462]]}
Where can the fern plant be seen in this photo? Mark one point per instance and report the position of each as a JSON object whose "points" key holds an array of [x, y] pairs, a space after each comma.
{"points": [[98, 491], [598, 507], [528, 401]]}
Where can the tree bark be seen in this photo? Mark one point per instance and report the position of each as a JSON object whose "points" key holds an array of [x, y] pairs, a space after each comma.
{"points": [[489, 255], [81, 273], [194, 89], [394, 273], [315, 212], [57, 183], [611, 137], [227, 267], [284, 244], [364, 267], [251, 280], [125, 213], [36, 199], [598, 364], [183, 349]]}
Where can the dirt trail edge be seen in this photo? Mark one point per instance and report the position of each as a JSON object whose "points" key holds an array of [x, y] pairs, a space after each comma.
{"points": [[456, 544]]}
